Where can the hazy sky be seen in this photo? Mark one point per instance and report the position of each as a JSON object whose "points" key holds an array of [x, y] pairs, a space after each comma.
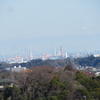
{"points": [[43, 24]]}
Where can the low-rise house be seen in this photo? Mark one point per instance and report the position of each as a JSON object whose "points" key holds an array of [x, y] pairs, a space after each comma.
{"points": [[94, 69], [4, 82], [90, 68], [97, 73], [98, 69], [89, 74]]}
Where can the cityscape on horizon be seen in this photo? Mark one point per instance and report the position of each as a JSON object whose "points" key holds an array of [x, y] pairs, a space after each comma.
{"points": [[60, 54]]}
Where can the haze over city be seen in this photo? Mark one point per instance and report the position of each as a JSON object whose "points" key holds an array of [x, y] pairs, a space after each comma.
{"points": [[43, 24]]}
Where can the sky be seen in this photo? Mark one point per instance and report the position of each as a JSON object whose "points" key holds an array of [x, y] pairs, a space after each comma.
{"points": [[43, 24]]}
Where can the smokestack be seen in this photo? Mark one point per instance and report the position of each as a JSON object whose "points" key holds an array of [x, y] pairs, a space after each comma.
{"points": [[31, 55], [66, 54], [60, 51], [54, 51]]}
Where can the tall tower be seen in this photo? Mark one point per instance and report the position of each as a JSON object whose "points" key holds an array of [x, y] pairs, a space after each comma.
{"points": [[60, 51], [31, 55], [25, 52], [66, 54], [55, 51]]}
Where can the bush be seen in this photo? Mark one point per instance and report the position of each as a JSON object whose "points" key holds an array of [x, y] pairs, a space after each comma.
{"points": [[63, 95], [53, 98]]}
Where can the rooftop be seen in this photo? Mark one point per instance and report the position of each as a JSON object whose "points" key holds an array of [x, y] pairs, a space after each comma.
{"points": [[5, 80]]}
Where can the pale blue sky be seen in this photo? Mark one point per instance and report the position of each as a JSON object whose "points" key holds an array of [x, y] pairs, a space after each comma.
{"points": [[43, 24]]}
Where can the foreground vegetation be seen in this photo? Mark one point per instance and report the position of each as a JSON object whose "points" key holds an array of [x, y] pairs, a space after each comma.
{"points": [[48, 83]]}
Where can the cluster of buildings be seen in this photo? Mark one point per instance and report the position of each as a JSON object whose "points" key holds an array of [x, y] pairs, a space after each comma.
{"points": [[17, 58], [25, 58], [56, 55], [90, 69], [10, 82], [17, 69]]}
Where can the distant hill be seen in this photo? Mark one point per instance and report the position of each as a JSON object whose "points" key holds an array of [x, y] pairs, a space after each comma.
{"points": [[88, 61], [39, 62], [54, 63]]}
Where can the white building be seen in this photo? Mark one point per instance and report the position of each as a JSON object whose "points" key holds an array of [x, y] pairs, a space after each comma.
{"points": [[18, 69], [97, 55], [97, 73]]}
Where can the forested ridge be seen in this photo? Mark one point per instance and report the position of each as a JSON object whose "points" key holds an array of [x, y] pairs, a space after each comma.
{"points": [[75, 62], [38, 62], [88, 61]]}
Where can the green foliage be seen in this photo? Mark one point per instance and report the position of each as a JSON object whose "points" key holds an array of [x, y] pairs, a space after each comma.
{"points": [[49, 98], [56, 83], [8, 92], [94, 83], [57, 78], [89, 83], [12, 92], [80, 93], [45, 85], [44, 98], [96, 93], [63, 95], [96, 78], [65, 92], [53, 98], [80, 75]]}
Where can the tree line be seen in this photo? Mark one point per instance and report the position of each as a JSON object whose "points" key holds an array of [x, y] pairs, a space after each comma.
{"points": [[48, 83], [88, 61]]}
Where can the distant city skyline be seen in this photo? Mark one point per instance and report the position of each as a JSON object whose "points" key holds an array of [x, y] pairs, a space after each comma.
{"points": [[41, 25]]}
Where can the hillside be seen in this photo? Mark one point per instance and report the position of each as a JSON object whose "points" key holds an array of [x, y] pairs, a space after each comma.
{"points": [[39, 62], [47, 83], [87, 61]]}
